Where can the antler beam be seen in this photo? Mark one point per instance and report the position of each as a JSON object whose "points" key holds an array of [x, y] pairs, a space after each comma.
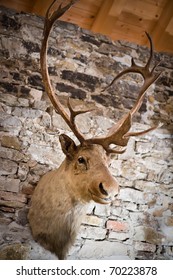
{"points": [[50, 19]]}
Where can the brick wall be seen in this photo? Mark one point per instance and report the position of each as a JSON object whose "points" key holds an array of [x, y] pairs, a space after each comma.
{"points": [[139, 225]]}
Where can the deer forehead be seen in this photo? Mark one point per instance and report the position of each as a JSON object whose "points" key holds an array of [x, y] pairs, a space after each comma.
{"points": [[94, 152]]}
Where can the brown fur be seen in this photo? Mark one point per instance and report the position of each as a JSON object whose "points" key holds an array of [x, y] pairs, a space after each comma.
{"points": [[60, 198]]}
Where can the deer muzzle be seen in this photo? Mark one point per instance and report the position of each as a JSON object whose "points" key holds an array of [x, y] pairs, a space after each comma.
{"points": [[105, 192]]}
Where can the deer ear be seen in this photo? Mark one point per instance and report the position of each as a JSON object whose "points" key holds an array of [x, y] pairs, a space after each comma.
{"points": [[68, 145]]}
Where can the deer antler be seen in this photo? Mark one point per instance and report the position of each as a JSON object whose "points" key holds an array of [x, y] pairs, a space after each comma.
{"points": [[50, 19], [119, 133]]}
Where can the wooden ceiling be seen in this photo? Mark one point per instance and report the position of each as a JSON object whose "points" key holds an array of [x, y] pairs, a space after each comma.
{"points": [[119, 19]]}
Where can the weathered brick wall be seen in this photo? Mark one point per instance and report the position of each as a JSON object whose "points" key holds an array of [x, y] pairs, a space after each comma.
{"points": [[139, 225]]}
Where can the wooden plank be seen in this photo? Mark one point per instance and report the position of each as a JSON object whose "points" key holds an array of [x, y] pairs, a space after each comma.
{"points": [[18, 5], [84, 12], [107, 16], [143, 9], [79, 17], [89, 5], [40, 6], [132, 19], [131, 33], [159, 3]]}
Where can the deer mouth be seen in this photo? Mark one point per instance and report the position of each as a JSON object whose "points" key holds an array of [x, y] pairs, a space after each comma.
{"points": [[101, 200]]}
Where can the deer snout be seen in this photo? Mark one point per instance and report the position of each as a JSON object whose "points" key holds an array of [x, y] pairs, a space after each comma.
{"points": [[102, 189], [109, 191]]}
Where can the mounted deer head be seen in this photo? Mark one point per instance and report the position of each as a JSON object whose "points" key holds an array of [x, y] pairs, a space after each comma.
{"points": [[59, 201]]}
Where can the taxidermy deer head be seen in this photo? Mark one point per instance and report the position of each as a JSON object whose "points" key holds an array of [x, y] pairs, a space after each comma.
{"points": [[60, 198]]}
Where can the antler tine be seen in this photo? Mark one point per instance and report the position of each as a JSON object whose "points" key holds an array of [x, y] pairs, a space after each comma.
{"points": [[74, 113], [59, 12], [151, 50], [148, 75], [50, 19], [143, 70], [119, 133]]}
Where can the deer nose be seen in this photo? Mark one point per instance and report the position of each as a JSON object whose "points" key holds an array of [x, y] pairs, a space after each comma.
{"points": [[105, 192], [102, 189]]}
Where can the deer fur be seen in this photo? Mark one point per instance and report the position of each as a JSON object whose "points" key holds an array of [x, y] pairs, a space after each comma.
{"points": [[61, 197]]}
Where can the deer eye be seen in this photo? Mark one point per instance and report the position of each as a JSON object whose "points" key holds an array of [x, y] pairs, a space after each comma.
{"points": [[81, 160]]}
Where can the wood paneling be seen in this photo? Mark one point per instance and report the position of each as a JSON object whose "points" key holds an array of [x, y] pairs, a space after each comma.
{"points": [[119, 19], [19, 5]]}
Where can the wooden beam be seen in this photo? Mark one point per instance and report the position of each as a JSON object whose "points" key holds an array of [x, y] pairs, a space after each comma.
{"points": [[117, 7], [102, 15], [160, 27], [166, 43], [169, 28], [107, 16]]}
